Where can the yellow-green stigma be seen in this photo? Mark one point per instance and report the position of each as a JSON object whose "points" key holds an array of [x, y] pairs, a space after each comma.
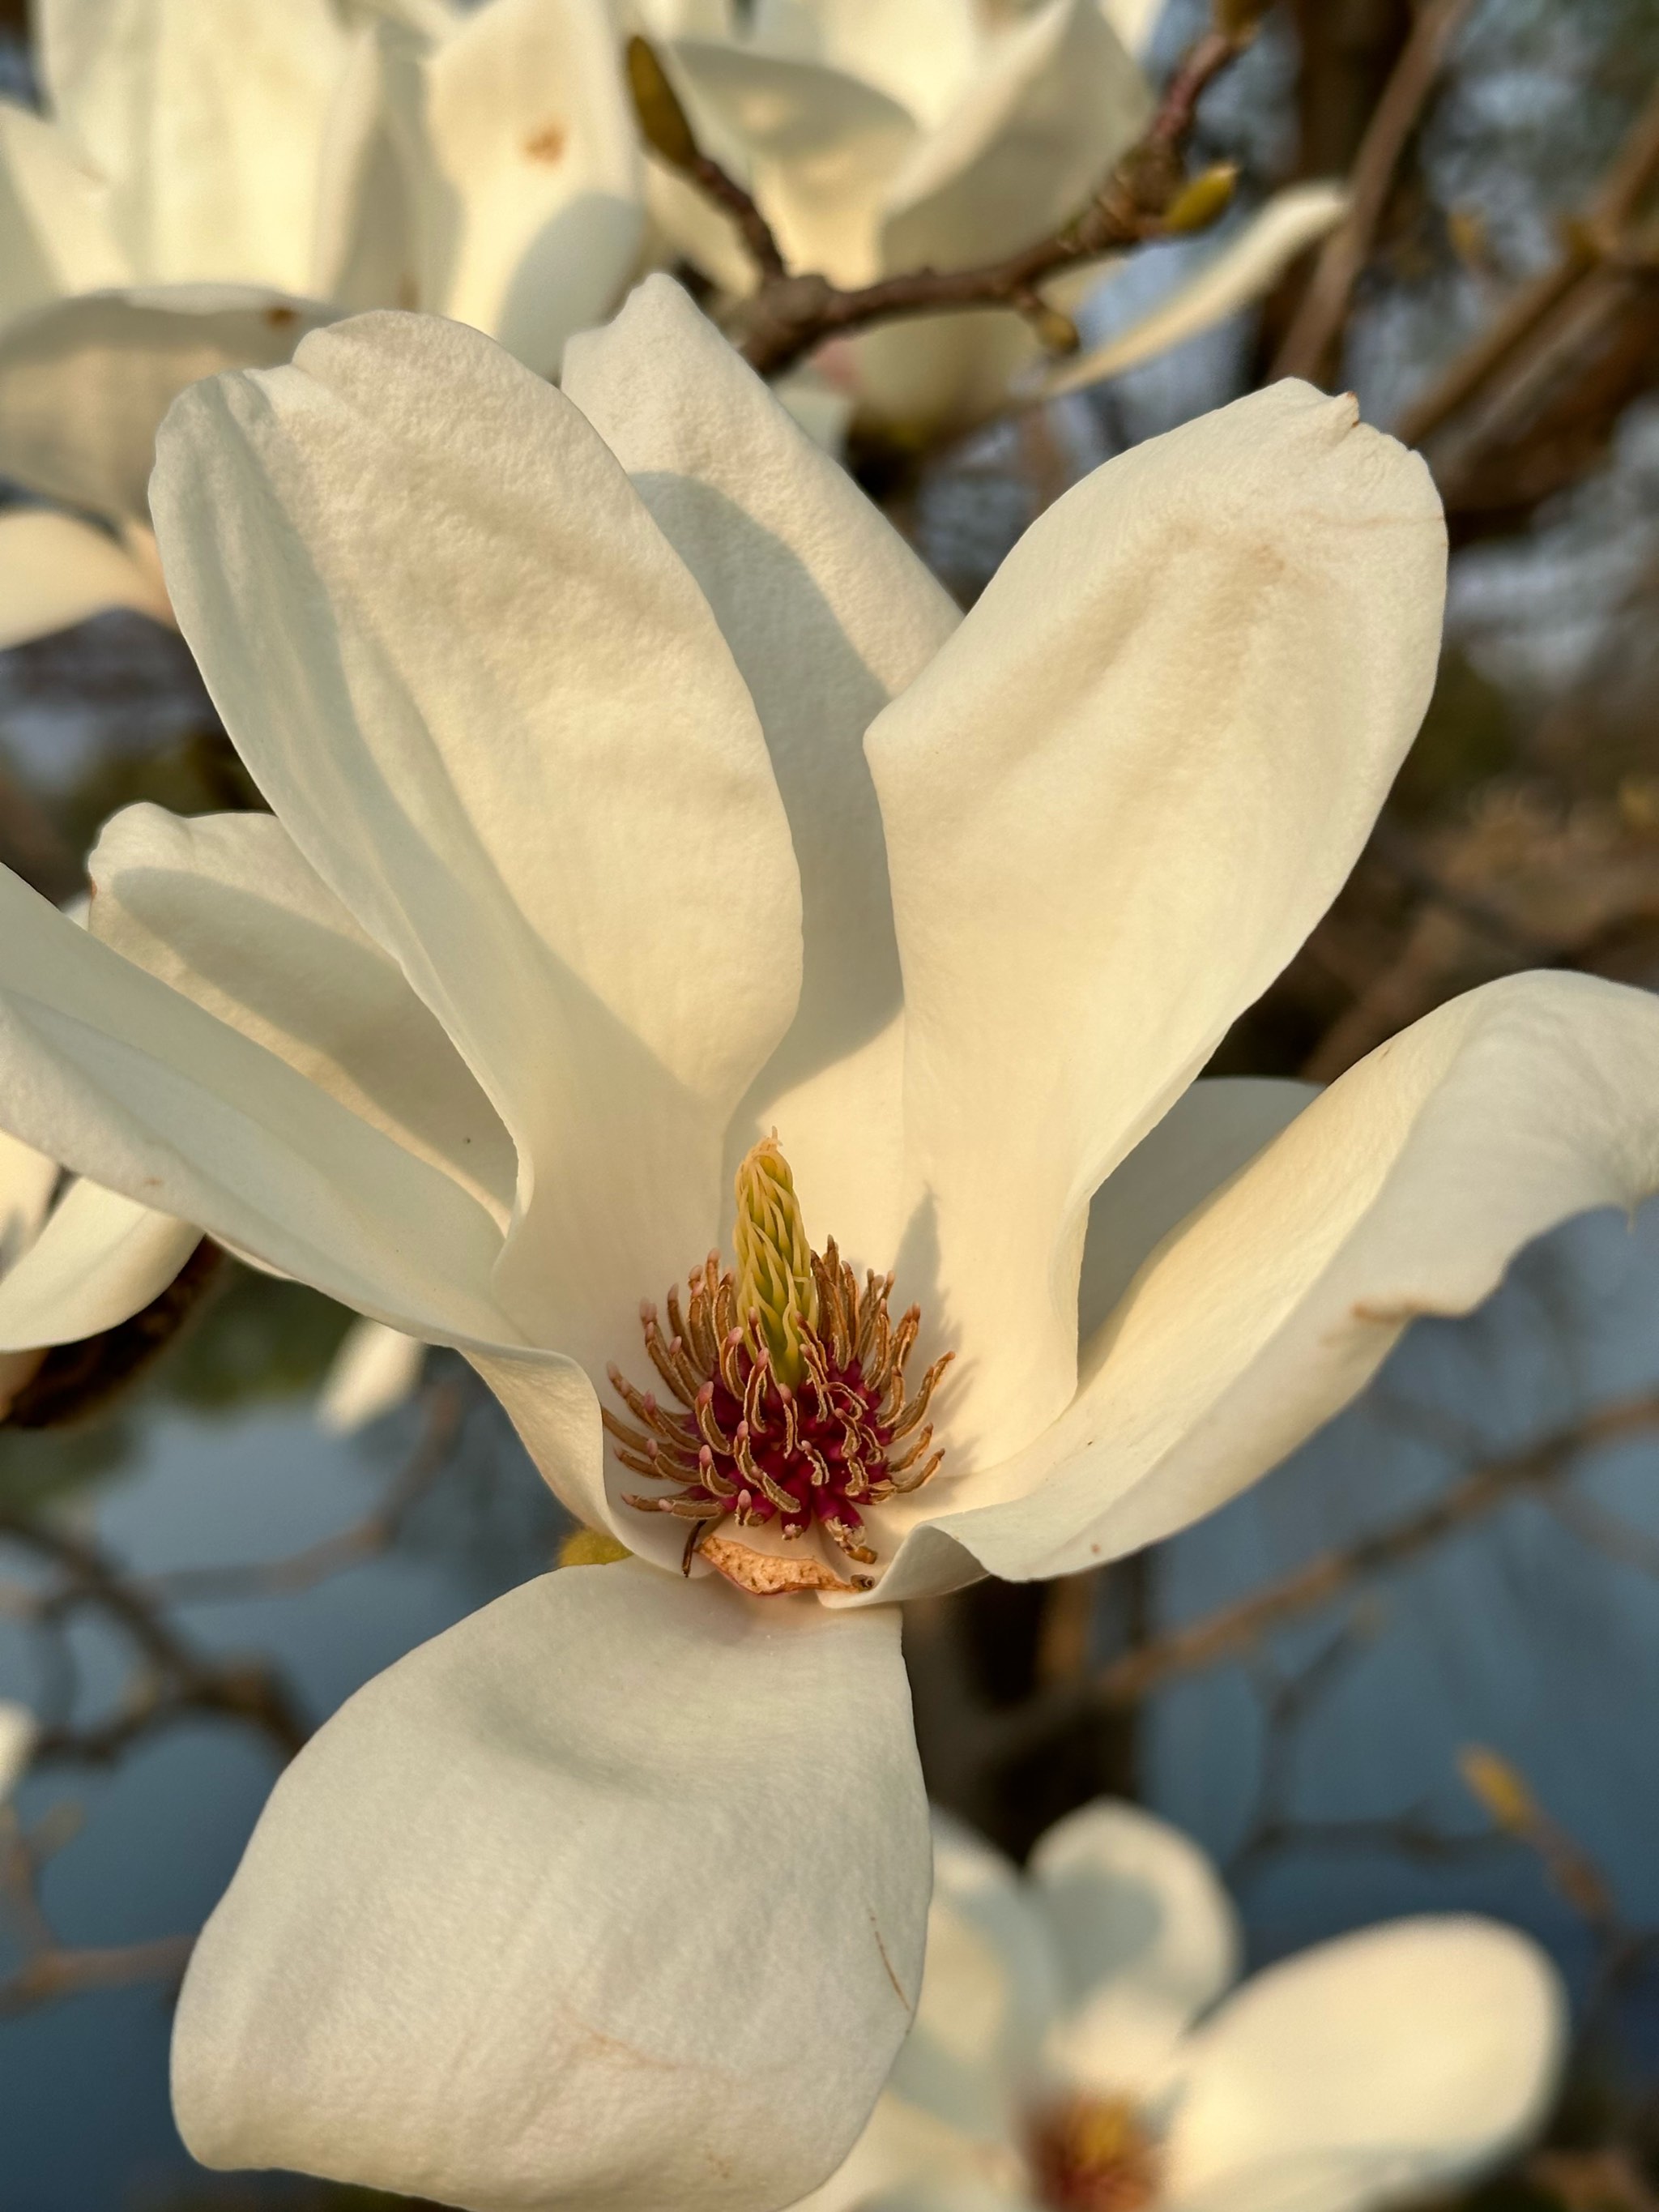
{"points": [[777, 1296]]}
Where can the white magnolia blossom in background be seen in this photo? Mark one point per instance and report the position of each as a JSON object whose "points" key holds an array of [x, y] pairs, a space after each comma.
{"points": [[213, 178], [638, 794], [878, 138], [1076, 2047], [17, 1734], [375, 1370]]}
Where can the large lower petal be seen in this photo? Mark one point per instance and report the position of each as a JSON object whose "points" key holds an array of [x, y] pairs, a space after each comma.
{"points": [[99, 1259], [495, 711], [535, 154], [1116, 803], [85, 382], [828, 613], [1406, 1189], [1380, 2068], [1145, 1936], [208, 122], [128, 1083], [56, 571], [597, 1899], [225, 909]]}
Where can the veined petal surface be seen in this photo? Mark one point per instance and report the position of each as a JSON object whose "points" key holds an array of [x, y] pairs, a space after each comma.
{"points": [[1116, 803], [1372, 2070], [56, 571], [1406, 1189], [829, 614], [99, 1259], [84, 383], [224, 908], [132, 1084], [497, 716], [460, 1959], [208, 123]]}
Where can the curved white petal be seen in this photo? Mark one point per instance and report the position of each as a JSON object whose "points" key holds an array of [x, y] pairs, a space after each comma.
{"points": [[1146, 1938], [54, 217], [17, 1734], [27, 1180], [498, 718], [1247, 266], [1406, 1189], [1134, 21], [1210, 1133], [597, 1899], [828, 614], [375, 159], [56, 571], [1116, 803], [820, 146], [132, 1085], [99, 1259], [84, 383], [1378, 2069], [923, 53], [375, 1370], [207, 121], [1039, 128], [532, 213], [225, 909]]}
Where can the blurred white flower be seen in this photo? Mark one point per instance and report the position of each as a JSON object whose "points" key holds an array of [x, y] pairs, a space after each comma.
{"points": [[944, 133], [375, 1370], [1076, 2048], [213, 178], [637, 793], [17, 1734]]}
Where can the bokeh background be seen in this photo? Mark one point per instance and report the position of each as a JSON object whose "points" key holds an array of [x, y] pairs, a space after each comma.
{"points": [[194, 1578]]}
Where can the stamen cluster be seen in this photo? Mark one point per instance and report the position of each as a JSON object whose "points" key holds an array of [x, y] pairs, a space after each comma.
{"points": [[738, 1442], [1091, 2154]]}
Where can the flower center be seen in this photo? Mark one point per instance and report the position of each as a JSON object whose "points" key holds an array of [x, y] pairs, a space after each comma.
{"points": [[1092, 2154], [789, 1412]]}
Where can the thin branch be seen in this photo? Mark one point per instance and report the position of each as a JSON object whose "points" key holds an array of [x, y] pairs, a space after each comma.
{"points": [[77, 1380], [1324, 308], [51, 1969], [789, 315]]}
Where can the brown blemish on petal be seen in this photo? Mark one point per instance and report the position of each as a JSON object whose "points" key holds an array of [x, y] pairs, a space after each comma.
{"points": [[898, 1990], [547, 145], [281, 318]]}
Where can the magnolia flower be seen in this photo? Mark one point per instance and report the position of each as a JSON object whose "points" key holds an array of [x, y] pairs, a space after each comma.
{"points": [[210, 181], [664, 878], [881, 139], [376, 1369], [1076, 2046]]}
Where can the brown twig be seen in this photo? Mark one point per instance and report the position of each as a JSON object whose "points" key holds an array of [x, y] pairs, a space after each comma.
{"points": [[51, 1969], [789, 315], [1307, 345], [76, 1380], [1233, 1632]]}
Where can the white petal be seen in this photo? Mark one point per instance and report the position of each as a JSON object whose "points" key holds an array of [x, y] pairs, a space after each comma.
{"points": [[1134, 21], [132, 1085], [17, 1733], [27, 1180], [534, 213], [1020, 153], [1386, 2066], [375, 162], [1146, 1937], [84, 384], [499, 720], [1209, 1133], [1249, 265], [1406, 1189], [224, 908], [1116, 803], [54, 227], [56, 571], [829, 614], [990, 1993], [597, 1899], [99, 1260], [375, 1370], [208, 122], [820, 146], [922, 53]]}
